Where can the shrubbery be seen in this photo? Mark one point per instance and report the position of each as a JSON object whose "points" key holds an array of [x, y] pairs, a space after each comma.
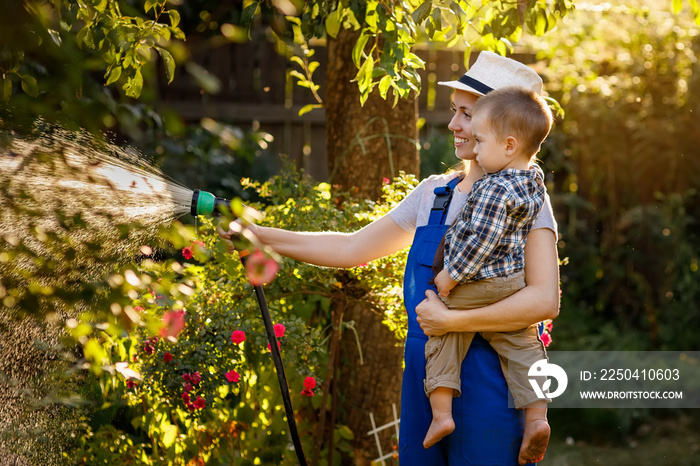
{"points": [[212, 393]]}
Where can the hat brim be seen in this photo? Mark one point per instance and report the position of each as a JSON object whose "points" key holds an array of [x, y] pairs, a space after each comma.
{"points": [[460, 86]]}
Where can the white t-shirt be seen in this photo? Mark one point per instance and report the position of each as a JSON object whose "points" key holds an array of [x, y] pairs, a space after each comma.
{"points": [[414, 210]]}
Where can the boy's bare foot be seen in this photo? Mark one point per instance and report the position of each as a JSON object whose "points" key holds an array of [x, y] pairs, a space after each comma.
{"points": [[439, 428], [535, 440]]}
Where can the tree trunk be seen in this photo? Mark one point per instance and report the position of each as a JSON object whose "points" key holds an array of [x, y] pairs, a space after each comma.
{"points": [[371, 386], [365, 145]]}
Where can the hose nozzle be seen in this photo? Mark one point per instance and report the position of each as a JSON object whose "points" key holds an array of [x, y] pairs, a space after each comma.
{"points": [[205, 203]]}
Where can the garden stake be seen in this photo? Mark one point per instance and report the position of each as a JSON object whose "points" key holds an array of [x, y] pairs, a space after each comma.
{"points": [[204, 203], [279, 367]]}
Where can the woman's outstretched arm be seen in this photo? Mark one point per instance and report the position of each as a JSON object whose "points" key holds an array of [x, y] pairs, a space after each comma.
{"points": [[331, 249], [538, 301]]}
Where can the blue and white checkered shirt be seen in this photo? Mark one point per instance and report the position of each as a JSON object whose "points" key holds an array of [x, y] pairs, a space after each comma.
{"points": [[488, 237]]}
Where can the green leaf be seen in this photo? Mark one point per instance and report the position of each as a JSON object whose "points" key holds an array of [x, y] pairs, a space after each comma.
{"points": [[345, 432], [540, 22], [364, 75], [174, 17], [84, 36], [6, 89], [384, 85], [114, 75], [134, 85], [436, 19], [422, 12], [169, 63], [333, 23], [169, 435], [55, 37], [248, 13], [150, 4], [102, 6], [460, 14], [359, 48], [308, 108], [297, 60], [29, 85]]}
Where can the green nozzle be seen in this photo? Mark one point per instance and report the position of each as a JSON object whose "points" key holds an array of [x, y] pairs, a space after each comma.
{"points": [[204, 203]]}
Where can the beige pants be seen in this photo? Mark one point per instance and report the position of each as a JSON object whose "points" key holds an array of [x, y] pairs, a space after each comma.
{"points": [[516, 350]]}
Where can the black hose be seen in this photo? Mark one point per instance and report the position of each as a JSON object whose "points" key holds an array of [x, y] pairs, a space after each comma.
{"points": [[279, 368]]}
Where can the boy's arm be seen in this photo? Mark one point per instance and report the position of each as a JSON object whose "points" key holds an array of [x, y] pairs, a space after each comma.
{"points": [[538, 301], [444, 283], [467, 253]]}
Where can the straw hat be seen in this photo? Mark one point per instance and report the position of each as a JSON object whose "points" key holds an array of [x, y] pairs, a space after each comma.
{"points": [[491, 71]]}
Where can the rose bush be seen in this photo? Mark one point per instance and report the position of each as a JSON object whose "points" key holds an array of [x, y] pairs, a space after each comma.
{"points": [[208, 389]]}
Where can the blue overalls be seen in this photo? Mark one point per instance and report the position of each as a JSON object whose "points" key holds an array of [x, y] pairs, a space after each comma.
{"points": [[487, 432]]}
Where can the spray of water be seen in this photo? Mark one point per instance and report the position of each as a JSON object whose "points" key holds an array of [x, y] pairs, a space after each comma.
{"points": [[87, 190], [74, 171], [72, 208]]}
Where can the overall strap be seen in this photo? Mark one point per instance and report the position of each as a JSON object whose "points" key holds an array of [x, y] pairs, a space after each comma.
{"points": [[443, 196]]}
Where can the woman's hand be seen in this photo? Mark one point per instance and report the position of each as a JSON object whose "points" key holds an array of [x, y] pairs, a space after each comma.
{"points": [[433, 315], [225, 234], [229, 231]]}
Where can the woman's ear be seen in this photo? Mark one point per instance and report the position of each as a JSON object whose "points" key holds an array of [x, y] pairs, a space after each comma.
{"points": [[511, 146]]}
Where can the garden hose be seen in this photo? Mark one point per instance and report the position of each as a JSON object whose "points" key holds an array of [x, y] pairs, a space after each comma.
{"points": [[204, 203], [279, 368]]}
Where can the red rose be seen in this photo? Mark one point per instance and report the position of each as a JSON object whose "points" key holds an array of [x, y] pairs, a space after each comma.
{"points": [[130, 384], [187, 377], [232, 376], [186, 397], [187, 386], [196, 378], [167, 357], [238, 336], [309, 385], [279, 330], [187, 253], [199, 403]]}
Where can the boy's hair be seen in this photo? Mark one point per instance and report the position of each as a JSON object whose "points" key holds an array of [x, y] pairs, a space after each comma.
{"points": [[517, 111]]}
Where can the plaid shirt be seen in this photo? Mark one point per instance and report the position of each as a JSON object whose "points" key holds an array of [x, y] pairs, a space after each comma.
{"points": [[487, 239]]}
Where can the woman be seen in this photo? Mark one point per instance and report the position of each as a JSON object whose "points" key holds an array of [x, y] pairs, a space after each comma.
{"points": [[490, 432]]}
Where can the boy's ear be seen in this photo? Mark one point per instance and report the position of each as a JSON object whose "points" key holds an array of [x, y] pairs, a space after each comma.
{"points": [[511, 145]]}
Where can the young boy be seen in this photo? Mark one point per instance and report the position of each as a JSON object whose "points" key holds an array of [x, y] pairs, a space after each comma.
{"points": [[483, 258]]}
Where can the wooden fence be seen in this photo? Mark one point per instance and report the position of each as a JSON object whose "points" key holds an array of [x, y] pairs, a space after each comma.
{"points": [[257, 91]]}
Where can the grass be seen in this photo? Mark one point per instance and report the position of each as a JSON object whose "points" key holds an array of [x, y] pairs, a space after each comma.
{"points": [[667, 442]]}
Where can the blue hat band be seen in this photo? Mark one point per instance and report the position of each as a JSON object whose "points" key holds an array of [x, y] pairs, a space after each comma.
{"points": [[474, 84]]}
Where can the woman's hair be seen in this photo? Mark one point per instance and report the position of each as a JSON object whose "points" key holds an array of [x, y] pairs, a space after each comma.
{"points": [[516, 111]]}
